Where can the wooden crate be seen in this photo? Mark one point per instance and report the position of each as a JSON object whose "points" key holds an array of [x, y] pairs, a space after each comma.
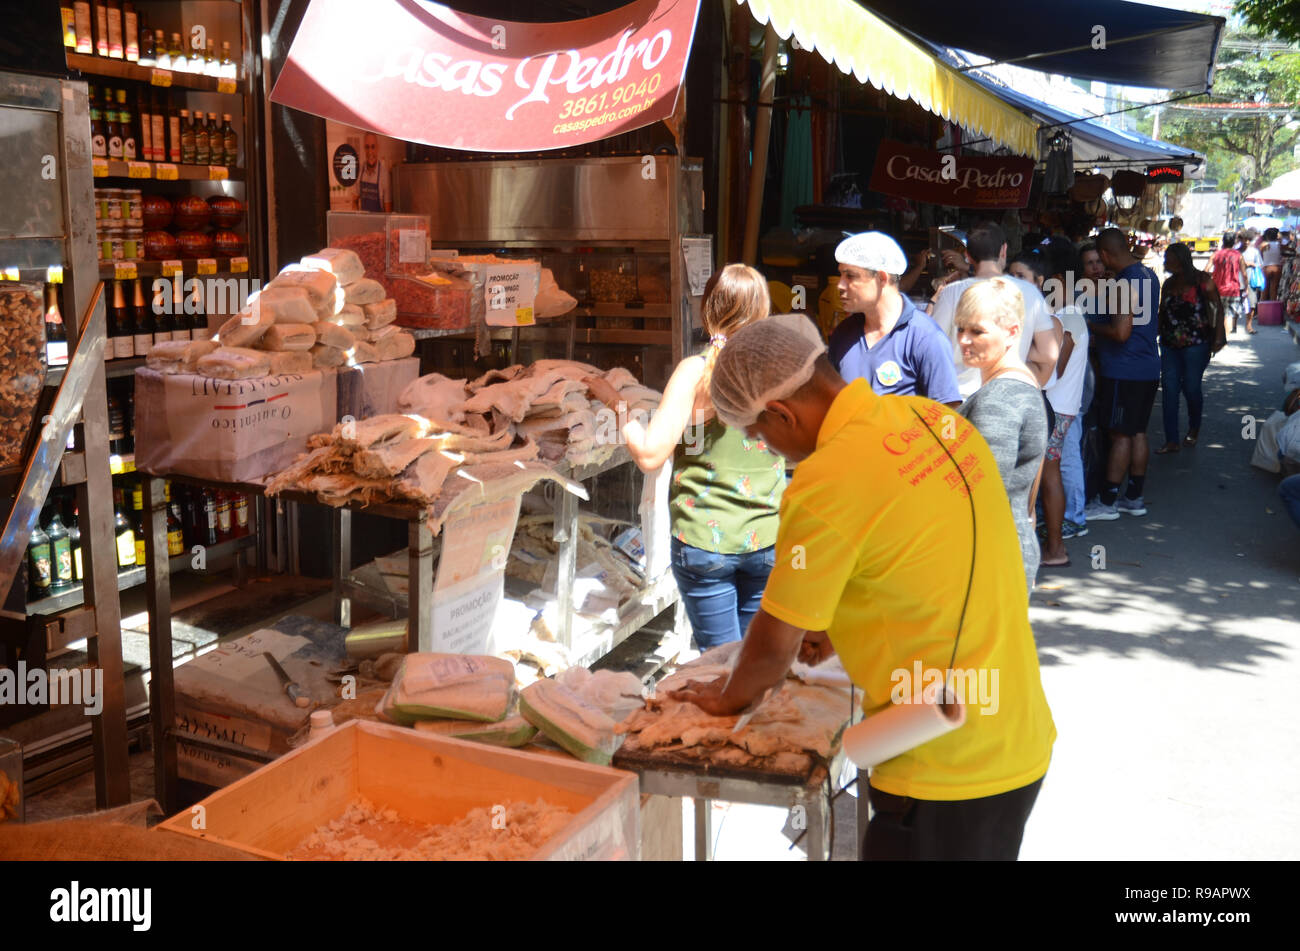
{"points": [[425, 778]]}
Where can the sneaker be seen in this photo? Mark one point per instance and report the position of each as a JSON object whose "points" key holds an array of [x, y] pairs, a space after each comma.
{"points": [[1095, 511], [1131, 506], [1071, 529]]}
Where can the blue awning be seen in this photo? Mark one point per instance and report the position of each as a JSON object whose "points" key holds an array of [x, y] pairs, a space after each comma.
{"points": [[1144, 45]]}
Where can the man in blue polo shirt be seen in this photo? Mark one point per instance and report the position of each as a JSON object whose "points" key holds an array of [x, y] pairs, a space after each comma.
{"points": [[885, 339], [1130, 374]]}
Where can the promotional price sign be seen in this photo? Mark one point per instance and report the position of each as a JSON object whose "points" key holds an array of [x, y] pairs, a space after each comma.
{"points": [[426, 73]]}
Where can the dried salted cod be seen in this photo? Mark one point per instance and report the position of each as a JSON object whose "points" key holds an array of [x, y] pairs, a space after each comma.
{"points": [[497, 376], [423, 480], [491, 483], [523, 453], [364, 433], [388, 460], [436, 397]]}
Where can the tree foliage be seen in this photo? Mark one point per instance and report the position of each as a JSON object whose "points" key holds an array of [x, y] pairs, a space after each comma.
{"points": [[1279, 17], [1254, 149]]}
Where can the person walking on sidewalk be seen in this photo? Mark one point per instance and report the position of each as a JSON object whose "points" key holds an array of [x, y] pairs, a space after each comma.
{"points": [[1007, 409], [1192, 329], [1130, 374], [726, 487], [1255, 281], [1229, 273]]}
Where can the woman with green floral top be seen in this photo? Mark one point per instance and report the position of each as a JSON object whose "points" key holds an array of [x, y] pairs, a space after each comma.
{"points": [[726, 488]]}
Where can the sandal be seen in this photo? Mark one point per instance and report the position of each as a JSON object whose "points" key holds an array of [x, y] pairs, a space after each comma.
{"points": [[1190, 440], [1168, 448], [1056, 564]]}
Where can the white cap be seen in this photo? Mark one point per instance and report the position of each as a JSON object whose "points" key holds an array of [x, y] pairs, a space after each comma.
{"points": [[764, 361], [872, 251]]}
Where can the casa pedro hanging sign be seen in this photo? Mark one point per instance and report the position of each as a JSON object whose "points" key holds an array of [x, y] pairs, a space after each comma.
{"points": [[959, 181], [423, 72]]}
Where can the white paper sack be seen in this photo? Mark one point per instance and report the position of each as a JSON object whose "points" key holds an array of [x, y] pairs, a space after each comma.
{"points": [[344, 264]]}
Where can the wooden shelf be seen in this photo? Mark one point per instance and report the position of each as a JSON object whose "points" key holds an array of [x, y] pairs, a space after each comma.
{"points": [[123, 69], [148, 171], [112, 369], [581, 335], [133, 577], [189, 267]]}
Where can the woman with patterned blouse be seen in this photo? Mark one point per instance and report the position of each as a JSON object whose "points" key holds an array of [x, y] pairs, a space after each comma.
{"points": [[726, 488], [1191, 330]]}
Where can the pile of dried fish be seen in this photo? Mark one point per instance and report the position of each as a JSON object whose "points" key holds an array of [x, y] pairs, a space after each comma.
{"points": [[456, 441]]}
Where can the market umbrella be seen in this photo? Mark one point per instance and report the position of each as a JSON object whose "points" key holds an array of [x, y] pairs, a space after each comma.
{"points": [[1285, 190], [1263, 223]]}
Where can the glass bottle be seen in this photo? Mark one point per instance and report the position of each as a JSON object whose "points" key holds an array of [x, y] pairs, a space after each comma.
{"points": [[114, 15], [74, 539], [209, 534], [175, 531], [83, 19], [211, 65], [114, 126], [38, 560], [187, 138], [230, 142], [162, 55], [241, 516], [173, 133], [128, 444], [123, 533], [129, 143], [130, 33], [229, 69], [98, 127], [101, 28], [162, 321], [137, 519], [56, 335], [116, 424], [158, 117], [177, 54], [60, 555], [202, 153], [123, 325], [145, 114], [144, 325], [147, 56], [225, 529]]}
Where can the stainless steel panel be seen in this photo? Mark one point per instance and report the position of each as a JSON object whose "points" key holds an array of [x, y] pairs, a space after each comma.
{"points": [[602, 199], [30, 168]]}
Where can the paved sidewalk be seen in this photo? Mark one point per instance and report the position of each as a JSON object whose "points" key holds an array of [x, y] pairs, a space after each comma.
{"points": [[1171, 673]]}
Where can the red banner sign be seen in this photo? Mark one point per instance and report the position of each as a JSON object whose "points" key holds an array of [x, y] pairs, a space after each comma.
{"points": [[961, 181], [425, 73]]}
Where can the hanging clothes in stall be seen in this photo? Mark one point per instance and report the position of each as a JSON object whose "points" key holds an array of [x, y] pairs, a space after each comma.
{"points": [[797, 182]]}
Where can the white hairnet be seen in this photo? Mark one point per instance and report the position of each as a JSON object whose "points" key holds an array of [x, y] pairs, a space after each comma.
{"points": [[766, 360]]}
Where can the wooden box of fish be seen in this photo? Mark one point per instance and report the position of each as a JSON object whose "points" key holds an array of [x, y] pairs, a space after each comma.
{"points": [[381, 792]]}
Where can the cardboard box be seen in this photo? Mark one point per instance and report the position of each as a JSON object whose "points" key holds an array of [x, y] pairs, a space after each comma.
{"points": [[425, 778], [228, 430]]}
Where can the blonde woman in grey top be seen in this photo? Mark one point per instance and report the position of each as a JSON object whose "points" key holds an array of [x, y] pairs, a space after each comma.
{"points": [[1008, 407]]}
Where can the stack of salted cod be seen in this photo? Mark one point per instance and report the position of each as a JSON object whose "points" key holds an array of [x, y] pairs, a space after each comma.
{"points": [[456, 442], [795, 723]]}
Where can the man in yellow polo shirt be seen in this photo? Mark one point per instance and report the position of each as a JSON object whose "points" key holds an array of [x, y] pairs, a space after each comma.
{"points": [[885, 551]]}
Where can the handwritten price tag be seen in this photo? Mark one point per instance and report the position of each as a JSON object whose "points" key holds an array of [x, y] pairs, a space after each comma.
{"points": [[166, 172], [124, 270], [99, 168], [218, 173], [238, 265], [171, 268], [139, 170], [161, 77], [226, 85], [207, 265]]}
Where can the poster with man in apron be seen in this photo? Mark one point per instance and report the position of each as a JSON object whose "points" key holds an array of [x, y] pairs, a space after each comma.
{"points": [[374, 185]]}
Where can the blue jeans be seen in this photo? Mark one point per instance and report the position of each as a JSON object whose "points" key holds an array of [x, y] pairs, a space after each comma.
{"points": [[1072, 471], [721, 592], [1181, 369], [1289, 489]]}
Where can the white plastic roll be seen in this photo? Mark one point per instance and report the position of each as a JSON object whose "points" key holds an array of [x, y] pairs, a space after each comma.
{"points": [[903, 727]]}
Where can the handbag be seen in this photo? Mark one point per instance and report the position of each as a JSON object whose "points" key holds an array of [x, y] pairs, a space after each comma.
{"points": [[1256, 276]]}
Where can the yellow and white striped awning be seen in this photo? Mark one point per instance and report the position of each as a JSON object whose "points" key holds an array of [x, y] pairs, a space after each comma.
{"points": [[862, 45]]}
